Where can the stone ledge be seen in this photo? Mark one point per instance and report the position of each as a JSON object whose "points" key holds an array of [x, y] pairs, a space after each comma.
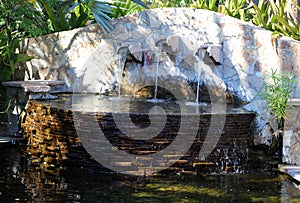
{"points": [[33, 82], [37, 86]]}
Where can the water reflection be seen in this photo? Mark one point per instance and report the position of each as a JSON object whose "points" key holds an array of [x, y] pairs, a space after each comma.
{"points": [[21, 181]]}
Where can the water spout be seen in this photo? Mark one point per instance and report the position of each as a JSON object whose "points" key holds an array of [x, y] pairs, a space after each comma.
{"points": [[159, 43], [198, 86], [121, 56], [200, 55]]}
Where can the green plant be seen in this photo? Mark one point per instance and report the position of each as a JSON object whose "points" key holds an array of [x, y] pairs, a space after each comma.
{"points": [[272, 15], [60, 15], [169, 3], [262, 14], [12, 31], [234, 8], [278, 89], [10, 58], [103, 11], [206, 4], [287, 27], [125, 7]]}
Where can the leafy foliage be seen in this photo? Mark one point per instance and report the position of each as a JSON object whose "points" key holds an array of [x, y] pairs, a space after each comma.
{"points": [[208, 5], [60, 15], [125, 7], [16, 21], [9, 57], [279, 88], [103, 11], [287, 27], [271, 15], [170, 3], [235, 8], [12, 31]]}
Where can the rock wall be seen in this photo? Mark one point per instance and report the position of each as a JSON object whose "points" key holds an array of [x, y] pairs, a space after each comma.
{"points": [[230, 55], [291, 147]]}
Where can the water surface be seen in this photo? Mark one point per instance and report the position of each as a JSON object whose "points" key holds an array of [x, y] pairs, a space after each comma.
{"points": [[77, 182]]}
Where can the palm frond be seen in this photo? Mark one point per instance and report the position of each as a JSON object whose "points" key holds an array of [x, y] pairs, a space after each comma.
{"points": [[102, 10]]}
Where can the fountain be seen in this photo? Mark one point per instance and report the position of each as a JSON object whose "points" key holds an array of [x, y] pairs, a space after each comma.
{"points": [[132, 136], [137, 137], [51, 128]]}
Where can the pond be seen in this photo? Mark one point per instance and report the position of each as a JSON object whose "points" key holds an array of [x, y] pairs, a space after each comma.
{"points": [[81, 179], [79, 182]]}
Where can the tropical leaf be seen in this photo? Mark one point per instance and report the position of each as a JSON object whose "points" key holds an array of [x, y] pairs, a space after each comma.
{"points": [[140, 3], [278, 89], [288, 27], [103, 10], [51, 15], [284, 23], [23, 57]]}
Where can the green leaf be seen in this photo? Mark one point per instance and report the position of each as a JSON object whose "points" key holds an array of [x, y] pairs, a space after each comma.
{"points": [[51, 15], [285, 24], [62, 22], [6, 73], [140, 3], [278, 90], [22, 58], [212, 5]]}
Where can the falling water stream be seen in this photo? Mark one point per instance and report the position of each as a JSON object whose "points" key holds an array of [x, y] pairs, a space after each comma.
{"points": [[154, 99], [197, 66], [201, 54], [121, 56], [198, 87], [157, 66], [120, 75]]}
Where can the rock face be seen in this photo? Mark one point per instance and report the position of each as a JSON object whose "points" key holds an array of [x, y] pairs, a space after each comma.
{"points": [[291, 147], [179, 46]]}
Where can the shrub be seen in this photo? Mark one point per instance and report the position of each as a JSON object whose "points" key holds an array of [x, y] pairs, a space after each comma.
{"points": [[278, 89]]}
